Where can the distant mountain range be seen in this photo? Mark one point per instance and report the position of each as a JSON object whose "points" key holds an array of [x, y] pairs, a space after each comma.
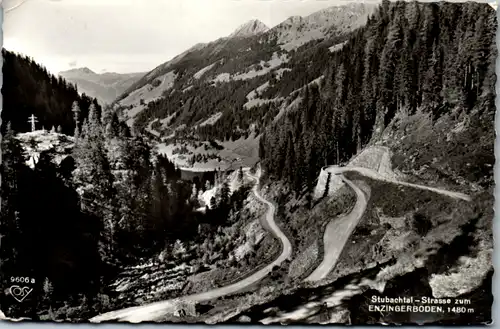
{"points": [[289, 35], [232, 88], [253, 52], [106, 87]]}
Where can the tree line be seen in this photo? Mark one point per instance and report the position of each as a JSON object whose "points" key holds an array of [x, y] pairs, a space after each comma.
{"points": [[432, 58]]}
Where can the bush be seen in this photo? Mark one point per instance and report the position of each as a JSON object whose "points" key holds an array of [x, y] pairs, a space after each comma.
{"points": [[156, 83], [421, 224]]}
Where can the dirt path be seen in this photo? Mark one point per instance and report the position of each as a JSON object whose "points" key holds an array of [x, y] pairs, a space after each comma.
{"points": [[375, 175], [339, 229], [156, 311], [337, 233]]}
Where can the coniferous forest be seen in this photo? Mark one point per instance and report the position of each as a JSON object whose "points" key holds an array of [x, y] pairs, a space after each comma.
{"points": [[110, 202], [415, 61]]}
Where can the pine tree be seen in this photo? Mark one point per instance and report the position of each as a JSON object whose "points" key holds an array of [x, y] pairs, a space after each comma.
{"points": [[225, 193], [75, 108], [213, 203], [124, 130], [240, 175], [432, 81], [289, 168], [340, 78], [94, 175], [300, 164], [94, 122], [113, 126], [389, 62], [194, 192], [47, 288]]}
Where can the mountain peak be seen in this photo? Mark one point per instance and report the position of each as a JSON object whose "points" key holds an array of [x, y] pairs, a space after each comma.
{"points": [[250, 28], [87, 70], [81, 70]]}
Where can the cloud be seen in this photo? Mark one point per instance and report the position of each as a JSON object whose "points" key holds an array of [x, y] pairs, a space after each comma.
{"points": [[72, 63]]}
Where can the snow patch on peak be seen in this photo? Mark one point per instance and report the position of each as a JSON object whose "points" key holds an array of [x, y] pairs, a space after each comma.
{"points": [[251, 28]]}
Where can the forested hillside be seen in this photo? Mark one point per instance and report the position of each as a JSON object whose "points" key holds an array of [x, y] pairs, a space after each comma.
{"points": [[242, 81], [419, 77], [72, 225], [28, 88], [69, 226]]}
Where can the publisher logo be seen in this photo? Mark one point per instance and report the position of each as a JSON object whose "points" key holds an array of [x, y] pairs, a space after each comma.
{"points": [[21, 287], [20, 293]]}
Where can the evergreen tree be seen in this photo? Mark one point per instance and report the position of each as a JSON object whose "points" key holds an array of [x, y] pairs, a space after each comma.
{"points": [[194, 194], [240, 175], [94, 175], [113, 126], [225, 194], [432, 81], [213, 203], [47, 289], [75, 108]]}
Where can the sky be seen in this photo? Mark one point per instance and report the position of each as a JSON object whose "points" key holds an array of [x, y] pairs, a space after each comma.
{"points": [[131, 35]]}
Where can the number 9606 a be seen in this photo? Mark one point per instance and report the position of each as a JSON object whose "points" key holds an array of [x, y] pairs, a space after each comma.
{"points": [[21, 279]]}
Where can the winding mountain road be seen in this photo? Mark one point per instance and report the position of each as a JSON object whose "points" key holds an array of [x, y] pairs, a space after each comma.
{"points": [[339, 230], [335, 237], [337, 233], [156, 311]]}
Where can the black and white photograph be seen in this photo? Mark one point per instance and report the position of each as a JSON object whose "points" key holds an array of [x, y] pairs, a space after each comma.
{"points": [[248, 161]]}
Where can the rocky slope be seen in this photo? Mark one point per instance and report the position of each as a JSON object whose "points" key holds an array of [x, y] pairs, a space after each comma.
{"points": [[57, 146], [251, 28], [297, 30]]}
